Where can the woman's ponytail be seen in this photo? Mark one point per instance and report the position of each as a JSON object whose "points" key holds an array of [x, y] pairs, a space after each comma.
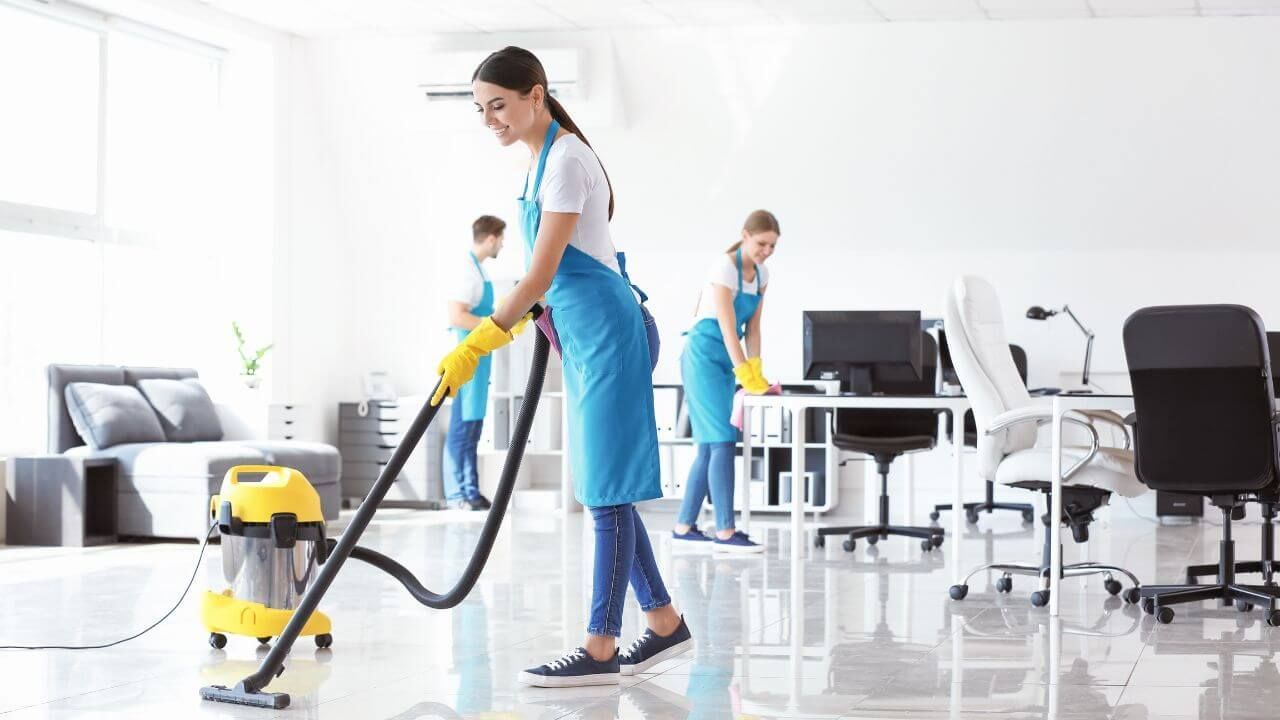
{"points": [[562, 116]]}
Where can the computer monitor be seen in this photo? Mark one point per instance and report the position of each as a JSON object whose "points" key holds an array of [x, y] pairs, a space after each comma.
{"points": [[862, 348]]}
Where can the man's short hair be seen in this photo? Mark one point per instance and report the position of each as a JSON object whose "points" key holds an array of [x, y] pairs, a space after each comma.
{"points": [[486, 225]]}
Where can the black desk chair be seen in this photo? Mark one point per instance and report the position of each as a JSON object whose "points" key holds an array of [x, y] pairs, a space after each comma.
{"points": [[1205, 424], [886, 435], [988, 504]]}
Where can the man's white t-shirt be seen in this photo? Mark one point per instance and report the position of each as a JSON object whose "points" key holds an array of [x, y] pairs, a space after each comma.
{"points": [[573, 182], [467, 284], [724, 271]]}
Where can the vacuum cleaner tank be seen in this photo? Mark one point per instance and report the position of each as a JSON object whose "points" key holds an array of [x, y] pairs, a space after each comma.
{"points": [[258, 571]]}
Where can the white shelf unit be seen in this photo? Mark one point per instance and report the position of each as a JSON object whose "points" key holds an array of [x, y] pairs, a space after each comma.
{"points": [[771, 451]]}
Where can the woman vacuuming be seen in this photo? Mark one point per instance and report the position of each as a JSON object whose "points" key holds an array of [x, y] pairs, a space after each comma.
{"points": [[723, 346], [608, 382]]}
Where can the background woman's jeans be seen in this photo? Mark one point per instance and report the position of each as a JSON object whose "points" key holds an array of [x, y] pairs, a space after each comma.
{"points": [[712, 472], [623, 554]]}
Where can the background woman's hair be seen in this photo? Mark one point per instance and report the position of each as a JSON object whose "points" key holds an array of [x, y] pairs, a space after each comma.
{"points": [[757, 222], [518, 69]]}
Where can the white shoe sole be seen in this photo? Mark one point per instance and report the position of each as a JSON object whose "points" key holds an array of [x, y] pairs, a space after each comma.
{"points": [[739, 549], [552, 681], [671, 652]]}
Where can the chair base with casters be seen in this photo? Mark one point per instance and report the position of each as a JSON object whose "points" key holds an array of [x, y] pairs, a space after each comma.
{"points": [[988, 505], [1266, 566], [930, 537], [1158, 599], [1078, 504]]}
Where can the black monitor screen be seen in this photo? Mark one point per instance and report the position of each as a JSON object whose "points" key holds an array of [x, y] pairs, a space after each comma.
{"points": [[859, 347]]}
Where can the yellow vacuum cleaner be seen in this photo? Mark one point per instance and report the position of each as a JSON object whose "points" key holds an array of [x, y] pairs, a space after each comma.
{"points": [[273, 539]]}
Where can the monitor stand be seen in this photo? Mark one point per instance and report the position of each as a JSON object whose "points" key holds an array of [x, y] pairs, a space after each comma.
{"points": [[859, 380]]}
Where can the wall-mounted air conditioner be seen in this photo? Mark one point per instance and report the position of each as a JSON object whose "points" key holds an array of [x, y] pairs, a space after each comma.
{"points": [[448, 75]]}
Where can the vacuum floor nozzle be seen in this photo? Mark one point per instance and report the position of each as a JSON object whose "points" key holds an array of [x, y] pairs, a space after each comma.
{"points": [[239, 696]]}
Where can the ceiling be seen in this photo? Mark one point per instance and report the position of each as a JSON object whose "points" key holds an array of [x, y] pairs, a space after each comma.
{"points": [[331, 17]]}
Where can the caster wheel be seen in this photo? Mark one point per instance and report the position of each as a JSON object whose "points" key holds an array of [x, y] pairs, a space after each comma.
{"points": [[264, 640], [820, 541], [849, 545], [1244, 605], [217, 641], [1164, 615], [972, 517], [1149, 606], [1004, 584], [926, 546], [873, 540], [1040, 598], [935, 515], [936, 540], [1273, 618], [1132, 595], [1028, 516], [958, 592], [1112, 587], [324, 640]]}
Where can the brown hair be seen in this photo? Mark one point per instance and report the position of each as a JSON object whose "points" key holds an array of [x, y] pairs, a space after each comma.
{"points": [[486, 225], [518, 69], [757, 222]]}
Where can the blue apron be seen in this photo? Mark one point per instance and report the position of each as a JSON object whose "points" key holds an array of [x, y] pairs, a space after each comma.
{"points": [[473, 396], [608, 381], [707, 371]]}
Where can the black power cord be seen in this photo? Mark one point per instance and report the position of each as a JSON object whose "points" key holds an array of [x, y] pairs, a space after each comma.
{"points": [[194, 572]]}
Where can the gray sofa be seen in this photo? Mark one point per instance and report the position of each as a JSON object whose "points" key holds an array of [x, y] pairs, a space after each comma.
{"points": [[164, 487]]}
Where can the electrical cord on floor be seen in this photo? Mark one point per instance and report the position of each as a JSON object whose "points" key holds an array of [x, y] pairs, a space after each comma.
{"points": [[195, 571]]}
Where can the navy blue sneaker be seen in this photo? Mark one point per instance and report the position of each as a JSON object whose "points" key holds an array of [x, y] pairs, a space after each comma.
{"points": [[650, 649], [694, 535], [575, 668], [738, 543]]}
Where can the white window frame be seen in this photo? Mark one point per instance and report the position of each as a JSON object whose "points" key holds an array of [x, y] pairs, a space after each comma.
{"points": [[41, 220]]}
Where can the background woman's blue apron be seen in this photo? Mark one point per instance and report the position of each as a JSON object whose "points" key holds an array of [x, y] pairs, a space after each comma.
{"points": [[608, 381], [473, 397], [707, 371]]}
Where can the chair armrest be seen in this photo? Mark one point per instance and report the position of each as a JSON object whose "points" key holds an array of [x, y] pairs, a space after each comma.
{"points": [[1041, 415], [1110, 418]]}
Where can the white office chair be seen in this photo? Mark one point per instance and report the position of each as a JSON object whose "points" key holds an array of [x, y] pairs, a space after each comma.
{"points": [[1008, 453]]}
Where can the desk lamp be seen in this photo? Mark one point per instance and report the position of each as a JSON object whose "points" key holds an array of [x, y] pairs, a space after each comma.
{"points": [[1035, 312]]}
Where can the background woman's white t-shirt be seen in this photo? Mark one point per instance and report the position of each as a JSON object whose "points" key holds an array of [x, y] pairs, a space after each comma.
{"points": [[724, 271], [573, 181]]}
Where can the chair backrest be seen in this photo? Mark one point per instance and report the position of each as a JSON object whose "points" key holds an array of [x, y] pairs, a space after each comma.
{"points": [[1273, 350], [898, 423], [986, 368], [1204, 399]]}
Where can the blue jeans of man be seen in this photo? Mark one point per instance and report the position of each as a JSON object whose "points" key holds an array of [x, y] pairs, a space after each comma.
{"points": [[711, 474], [623, 554], [462, 479]]}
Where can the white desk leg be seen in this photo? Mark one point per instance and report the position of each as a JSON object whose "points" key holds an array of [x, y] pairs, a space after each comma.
{"points": [[957, 491], [957, 666], [744, 483], [1055, 510], [798, 433]]}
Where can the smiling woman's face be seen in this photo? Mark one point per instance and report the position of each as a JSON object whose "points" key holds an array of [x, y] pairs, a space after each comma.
{"points": [[508, 114]]}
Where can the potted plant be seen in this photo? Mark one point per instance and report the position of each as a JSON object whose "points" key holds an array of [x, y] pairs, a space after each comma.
{"points": [[249, 362]]}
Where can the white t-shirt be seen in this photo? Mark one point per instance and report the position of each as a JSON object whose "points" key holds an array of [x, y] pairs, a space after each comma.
{"points": [[573, 182], [724, 271], [467, 285]]}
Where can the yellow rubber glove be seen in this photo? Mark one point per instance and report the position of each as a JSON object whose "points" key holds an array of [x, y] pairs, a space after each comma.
{"points": [[749, 380], [755, 363], [460, 364], [519, 326]]}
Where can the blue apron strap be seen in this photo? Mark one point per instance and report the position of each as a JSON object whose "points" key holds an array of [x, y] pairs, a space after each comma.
{"points": [[622, 266], [552, 129], [738, 259]]}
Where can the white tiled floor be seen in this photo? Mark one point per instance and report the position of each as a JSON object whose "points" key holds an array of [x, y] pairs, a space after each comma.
{"points": [[878, 637]]}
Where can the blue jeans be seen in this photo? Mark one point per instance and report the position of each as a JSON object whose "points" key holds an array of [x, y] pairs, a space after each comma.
{"points": [[622, 552], [712, 473], [462, 480]]}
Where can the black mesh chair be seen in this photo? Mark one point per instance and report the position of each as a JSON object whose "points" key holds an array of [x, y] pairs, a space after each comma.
{"points": [[1205, 424], [886, 435], [988, 504]]}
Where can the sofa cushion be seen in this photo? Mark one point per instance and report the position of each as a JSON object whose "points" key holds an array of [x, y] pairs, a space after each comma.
{"points": [[319, 462], [184, 408], [109, 415]]}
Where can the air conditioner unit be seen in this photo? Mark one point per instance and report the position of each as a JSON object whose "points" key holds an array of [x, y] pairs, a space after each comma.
{"points": [[448, 75]]}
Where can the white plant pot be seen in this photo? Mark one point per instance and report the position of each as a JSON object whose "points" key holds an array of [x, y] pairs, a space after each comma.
{"points": [[251, 381]]}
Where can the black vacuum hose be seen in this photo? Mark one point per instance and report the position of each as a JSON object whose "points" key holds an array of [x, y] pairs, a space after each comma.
{"points": [[492, 523]]}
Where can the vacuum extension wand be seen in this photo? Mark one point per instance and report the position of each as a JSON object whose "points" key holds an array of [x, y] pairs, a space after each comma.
{"points": [[249, 691]]}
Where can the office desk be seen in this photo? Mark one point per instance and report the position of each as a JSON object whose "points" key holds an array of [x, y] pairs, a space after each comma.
{"points": [[1062, 404], [796, 404]]}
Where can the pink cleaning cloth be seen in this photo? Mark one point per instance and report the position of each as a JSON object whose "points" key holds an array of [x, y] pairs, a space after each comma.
{"points": [[735, 418]]}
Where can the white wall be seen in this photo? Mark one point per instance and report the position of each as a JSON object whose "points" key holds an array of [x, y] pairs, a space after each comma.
{"points": [[1108, 164]]}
